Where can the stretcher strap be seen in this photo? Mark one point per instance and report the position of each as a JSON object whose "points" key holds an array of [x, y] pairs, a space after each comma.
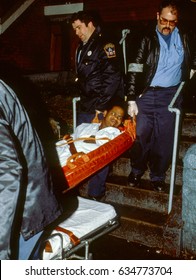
{"points": [[74, 239], [78, 155], [48, 247], [72, 148], [71, 140]]}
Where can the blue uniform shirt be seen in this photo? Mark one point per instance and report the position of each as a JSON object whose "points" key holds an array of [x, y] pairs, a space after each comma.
{"points": [[171, 57]]}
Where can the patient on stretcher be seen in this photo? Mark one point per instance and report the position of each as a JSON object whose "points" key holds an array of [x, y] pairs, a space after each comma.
{"points": [[89, 136]]}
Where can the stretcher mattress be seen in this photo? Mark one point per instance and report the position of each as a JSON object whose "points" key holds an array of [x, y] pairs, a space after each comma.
{"points": [[86, 219], [100, 157]]}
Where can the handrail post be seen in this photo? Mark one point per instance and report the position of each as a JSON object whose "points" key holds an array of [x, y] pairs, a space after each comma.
{"points": [[125, 32], [175, 146], [74, 101]]}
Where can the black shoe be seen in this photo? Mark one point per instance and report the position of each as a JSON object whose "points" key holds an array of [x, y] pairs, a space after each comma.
{"points": [[159, 186], [134, 180]]}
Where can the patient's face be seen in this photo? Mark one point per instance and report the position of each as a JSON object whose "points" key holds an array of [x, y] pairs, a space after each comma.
{"points": [[114, 117]]}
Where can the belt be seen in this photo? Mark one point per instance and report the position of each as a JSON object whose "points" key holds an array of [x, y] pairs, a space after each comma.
{"points": [[161, 88], [156, 88]]}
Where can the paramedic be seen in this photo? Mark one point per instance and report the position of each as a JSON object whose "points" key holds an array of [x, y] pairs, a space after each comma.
{"points": [[27, 201], [164, 59], [99, 78]]}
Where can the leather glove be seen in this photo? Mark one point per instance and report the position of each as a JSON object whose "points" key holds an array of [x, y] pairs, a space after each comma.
{"points": [[132, 108]]}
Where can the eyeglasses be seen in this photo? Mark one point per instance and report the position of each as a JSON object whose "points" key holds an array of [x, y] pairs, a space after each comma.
{"points": [[165, 21]]}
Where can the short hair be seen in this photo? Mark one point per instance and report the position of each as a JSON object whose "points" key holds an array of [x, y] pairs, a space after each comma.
{"points": [[86, 17], [120, 103], [173, 4]]}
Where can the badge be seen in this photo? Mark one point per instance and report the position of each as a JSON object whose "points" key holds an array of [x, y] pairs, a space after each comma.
{"points": [[89, 53], [110, 50]]}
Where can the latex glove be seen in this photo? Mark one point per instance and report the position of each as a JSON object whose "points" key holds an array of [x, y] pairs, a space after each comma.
{"points": [[192, 73], [132, 108]]}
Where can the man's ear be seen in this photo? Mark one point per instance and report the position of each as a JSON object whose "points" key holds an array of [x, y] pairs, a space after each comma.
{"points": [[90, 24]]}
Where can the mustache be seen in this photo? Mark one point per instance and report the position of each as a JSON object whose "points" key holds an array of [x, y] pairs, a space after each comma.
{"points": [[167, 28]]}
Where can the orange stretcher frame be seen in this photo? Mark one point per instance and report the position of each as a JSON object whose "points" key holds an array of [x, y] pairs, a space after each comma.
{"points": [[100, 157]]}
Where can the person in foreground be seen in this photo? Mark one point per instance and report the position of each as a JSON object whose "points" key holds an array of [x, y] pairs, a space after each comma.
{"points": [[99, 133], [164, 59], [27, 199], [99, 77]]}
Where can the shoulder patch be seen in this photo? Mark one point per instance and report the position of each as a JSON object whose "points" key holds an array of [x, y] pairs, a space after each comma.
{"points": [[110, 50]]}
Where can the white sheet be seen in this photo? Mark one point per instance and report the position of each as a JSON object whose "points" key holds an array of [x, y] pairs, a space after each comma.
{"points": [[85, 130], [89, 216]]}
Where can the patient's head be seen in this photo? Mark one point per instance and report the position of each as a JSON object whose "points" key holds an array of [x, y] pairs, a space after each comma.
{"points": [[113, 117]]}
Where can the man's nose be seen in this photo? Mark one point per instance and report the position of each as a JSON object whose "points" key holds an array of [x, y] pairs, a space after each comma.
{"points": [[168, 24]]}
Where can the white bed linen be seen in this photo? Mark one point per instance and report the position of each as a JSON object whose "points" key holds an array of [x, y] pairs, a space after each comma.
{"points": [[89, 216]]}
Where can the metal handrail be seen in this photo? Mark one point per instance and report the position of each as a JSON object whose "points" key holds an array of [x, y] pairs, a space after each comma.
{"points": [[125, 32], [175, 146], [74, 101]]}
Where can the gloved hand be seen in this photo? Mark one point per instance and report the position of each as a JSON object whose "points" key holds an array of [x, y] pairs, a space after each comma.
{"points": [[192, 72], [132, 108]]}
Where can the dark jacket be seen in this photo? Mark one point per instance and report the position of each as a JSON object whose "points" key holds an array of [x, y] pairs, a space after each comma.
{"points": [[142, 70], [99, 77], [27, 201]]}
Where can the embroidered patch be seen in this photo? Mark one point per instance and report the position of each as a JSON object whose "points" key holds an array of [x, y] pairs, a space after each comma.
{"points": [[110, 50]]}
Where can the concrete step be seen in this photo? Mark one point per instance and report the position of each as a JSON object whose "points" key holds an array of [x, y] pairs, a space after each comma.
{"points": [[185, 143], [144, 219], [140, 226], [189, 125], [150, 228], [121, 167], [142, 197]]}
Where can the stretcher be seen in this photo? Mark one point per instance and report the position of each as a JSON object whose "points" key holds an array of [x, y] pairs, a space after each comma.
{"points": [[82, 168], [91, 220]]}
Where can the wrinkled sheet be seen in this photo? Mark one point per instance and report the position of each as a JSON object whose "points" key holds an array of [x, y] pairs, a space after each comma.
{"points": [[89, 216]]}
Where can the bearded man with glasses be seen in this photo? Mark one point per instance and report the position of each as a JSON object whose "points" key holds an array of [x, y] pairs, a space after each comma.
{"points": [[166, 56]]}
